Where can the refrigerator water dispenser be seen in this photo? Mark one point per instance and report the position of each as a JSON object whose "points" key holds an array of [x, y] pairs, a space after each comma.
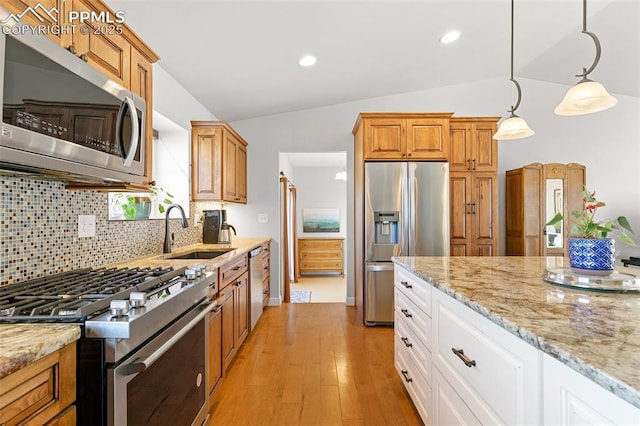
{"points": [[386, 224]]}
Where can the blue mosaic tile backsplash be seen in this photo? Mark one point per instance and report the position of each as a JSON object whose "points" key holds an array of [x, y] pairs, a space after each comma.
{"points": [[39, 231]]}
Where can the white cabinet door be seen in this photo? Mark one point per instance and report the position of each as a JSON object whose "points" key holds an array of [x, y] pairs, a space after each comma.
{"points": [[493, 371], [572, 399], [448, 407]]}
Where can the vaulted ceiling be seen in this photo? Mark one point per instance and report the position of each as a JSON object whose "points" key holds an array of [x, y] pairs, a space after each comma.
{"points": [[240, 58]]}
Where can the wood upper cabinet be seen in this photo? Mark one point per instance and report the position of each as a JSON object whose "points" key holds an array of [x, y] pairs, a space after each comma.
{"points": [[141, 82], [56, 8], [404, 136], [206, 163], [473, 213], [219, 163], [109, 53], [472, 145], [234, 157]]}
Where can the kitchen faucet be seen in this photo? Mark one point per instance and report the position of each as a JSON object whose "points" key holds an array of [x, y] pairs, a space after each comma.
{"points": [[169, 240]]}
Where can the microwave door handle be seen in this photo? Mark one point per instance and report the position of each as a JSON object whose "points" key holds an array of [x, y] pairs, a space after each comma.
{"points": [[135, 134]]}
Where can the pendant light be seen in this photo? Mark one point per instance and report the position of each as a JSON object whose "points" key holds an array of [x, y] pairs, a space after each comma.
{"points": [[586, 96], [513, 127]]}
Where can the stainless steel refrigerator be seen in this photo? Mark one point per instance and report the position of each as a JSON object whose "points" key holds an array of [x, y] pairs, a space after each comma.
{"points": [[406, 214]]}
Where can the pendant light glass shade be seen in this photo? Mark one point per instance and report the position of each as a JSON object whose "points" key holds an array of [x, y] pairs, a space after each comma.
{"points": [[584, 98], [587, 96], [513, 127]]}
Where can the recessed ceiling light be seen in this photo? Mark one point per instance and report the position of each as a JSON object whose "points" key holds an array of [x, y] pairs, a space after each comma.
{"points": [[450, 37], [307, 61]]}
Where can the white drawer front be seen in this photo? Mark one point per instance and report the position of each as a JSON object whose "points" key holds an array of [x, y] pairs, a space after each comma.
{"points": [[414, 288], [407, 342], [416, 319], [502, 372], [414, 382]]}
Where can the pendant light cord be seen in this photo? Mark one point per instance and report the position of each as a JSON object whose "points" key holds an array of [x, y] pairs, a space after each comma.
{"points": [[514, 108], [586, 72]]}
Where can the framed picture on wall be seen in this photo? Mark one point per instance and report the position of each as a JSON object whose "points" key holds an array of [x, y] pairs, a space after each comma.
{"points": [[320, 219]]}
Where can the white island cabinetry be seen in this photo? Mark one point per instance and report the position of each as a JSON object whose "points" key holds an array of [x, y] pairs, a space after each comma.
{"points": [[468, 357]]}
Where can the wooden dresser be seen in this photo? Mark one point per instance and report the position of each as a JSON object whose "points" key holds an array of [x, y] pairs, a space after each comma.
{"points": [[320, 255]]}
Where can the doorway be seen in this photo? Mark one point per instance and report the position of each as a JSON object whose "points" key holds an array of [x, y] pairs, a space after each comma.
{"points": [[313, 208]]}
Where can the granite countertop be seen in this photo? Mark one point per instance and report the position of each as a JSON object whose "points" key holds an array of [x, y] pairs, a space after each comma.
{"points": [[238, 246], [594, 333], [22, 344]]}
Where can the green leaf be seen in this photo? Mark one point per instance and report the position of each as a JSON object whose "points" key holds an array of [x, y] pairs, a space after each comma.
{"points": [[576, 213], [166, 201], [169, 195], [160, 208], [557, 218], [624, 223], [627, 240]]}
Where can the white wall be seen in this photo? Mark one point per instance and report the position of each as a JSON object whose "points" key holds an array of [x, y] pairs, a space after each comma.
{"points": [[607, 143], [174, 102], [318, 188]]}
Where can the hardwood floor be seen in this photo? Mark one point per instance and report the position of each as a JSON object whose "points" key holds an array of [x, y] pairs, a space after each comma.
{"points": [[313, 364]]}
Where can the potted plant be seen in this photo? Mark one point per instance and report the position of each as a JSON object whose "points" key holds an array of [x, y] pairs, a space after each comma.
{"points": [[136, 206], [591, 250]]}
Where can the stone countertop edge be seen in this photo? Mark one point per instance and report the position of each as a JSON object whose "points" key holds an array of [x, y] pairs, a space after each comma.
{"points": [[22, 344], [582, 366]]}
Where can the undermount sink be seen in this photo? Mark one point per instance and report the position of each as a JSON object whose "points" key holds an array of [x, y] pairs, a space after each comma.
{"points": [[202, 254]]}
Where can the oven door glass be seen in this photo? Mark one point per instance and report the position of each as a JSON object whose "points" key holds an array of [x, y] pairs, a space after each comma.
{"points": [[164, 382]]}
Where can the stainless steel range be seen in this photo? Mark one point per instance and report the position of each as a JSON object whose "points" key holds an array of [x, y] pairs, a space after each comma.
{"points": [[141, 358]]}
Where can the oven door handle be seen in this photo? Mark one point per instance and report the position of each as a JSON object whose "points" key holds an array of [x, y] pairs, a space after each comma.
{"points": [[139, 366]]}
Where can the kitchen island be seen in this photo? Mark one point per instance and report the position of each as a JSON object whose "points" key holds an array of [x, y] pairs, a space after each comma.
{"points": [[595, 334]]}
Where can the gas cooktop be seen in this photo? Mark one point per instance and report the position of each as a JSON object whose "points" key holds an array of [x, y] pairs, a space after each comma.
{"points": [[75, 296]]}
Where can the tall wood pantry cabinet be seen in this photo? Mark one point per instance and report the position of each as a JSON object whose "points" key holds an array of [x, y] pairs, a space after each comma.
{"points": [[219, 163], [473, 186], [534, 194]]}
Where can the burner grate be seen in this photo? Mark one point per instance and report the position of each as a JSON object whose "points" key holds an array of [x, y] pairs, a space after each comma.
{"points": [[75, 295]]}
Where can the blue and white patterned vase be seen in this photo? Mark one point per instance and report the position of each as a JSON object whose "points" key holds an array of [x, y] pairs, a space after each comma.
{"points": [[589, 256]]}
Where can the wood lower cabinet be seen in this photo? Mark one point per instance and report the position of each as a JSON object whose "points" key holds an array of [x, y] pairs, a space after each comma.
{"points": [[265, 261], [42, 392], [214, 352], [473, 213], [320, 255], [219, 163], [234, 298]]}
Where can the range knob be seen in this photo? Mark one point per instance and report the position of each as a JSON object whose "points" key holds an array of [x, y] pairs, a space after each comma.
{"points": [[190, 274], [119, 307], [200, 269], [137, 299]]}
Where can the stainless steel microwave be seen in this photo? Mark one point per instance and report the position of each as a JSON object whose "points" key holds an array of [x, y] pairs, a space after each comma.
{"points": [[62, 117]]}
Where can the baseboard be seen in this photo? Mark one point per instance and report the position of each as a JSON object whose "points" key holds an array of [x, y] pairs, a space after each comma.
{"points": [[274, 301], [350, 301]]}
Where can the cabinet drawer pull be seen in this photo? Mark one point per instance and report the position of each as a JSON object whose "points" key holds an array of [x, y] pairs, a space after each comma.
{"points": [[405, 340], [405, 373], [406, 313], [406, 284], [468, 164], [237, 268], [460, 353], [474, 164]]}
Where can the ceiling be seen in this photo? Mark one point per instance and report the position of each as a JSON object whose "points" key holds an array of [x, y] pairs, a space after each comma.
{"points": [[317, 159], [240, 58]]}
